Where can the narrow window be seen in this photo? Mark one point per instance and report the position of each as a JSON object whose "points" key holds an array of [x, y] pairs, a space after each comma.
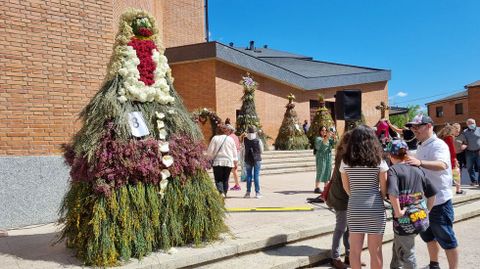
{"points": [[459, 109], [439, 110]]}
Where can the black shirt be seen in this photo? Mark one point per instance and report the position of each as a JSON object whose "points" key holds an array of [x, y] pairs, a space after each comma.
{"points": [[410, 139]]}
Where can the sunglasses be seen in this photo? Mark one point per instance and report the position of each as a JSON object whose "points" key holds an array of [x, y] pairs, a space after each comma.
{"points": [[416, 127]]}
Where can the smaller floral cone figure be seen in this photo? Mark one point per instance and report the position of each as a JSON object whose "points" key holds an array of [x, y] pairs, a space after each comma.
{"points": [[291, 135], [322, 118], [248, 113]]}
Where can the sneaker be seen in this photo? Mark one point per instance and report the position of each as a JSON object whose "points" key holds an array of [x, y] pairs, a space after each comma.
{"points": [[474, 183], [258, 195], [317, 190], [236, 188], [247, 195]]}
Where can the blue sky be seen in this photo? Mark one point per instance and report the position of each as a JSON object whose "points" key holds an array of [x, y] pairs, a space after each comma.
{"points": [[431, 46]]}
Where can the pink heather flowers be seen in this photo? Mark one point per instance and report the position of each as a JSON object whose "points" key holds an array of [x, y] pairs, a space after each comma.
{"points": [[128, 162]]}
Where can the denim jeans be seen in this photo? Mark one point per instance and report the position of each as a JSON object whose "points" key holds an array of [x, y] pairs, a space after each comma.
{"points": [[256, 173], [339, 232], [473, 159], [441, 226]]}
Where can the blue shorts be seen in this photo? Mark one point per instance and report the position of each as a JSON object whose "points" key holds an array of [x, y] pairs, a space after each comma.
{"points": [[441, 226]]}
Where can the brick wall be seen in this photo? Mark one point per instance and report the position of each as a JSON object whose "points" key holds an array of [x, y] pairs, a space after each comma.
{"points": [[270, 98], [184, 22], [53, 57], [195, 82], [372, 95], [473, 103], [52, 61], [449, 115]]}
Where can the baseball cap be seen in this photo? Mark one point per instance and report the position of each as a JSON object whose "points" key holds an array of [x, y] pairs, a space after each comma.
{"points": [[419, 119], [395, 145]]}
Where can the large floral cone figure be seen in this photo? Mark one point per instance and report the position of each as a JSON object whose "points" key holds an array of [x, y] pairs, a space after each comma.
{"points": [[291, 135], [322, 118], [248, 112], [138, 173]]}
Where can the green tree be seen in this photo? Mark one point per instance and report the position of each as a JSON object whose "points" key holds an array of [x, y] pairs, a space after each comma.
{"points": [[401, 120]]}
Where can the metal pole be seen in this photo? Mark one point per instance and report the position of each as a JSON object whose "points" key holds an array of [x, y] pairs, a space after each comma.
{"points": [[206, 21]]}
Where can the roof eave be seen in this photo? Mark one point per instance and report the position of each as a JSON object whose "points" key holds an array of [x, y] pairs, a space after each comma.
{"points": [[446, 100], [257, 65]]}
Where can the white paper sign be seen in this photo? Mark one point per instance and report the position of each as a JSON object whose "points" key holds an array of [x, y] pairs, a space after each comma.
{"points": [[137, 124]]}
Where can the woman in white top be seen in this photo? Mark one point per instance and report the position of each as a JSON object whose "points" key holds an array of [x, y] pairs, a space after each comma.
{"points": [[223, 151]]}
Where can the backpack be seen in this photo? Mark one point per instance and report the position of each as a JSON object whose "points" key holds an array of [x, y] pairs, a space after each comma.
{"points": [[249, 159], [414, 221], [252, 151]]}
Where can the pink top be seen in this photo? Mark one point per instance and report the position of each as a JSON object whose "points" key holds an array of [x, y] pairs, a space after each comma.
{"points": [[382, 127], [237, 142]]}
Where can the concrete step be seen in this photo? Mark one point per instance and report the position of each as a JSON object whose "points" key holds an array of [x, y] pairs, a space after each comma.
{"points": [[311, 250], [296, 159], [281, 165], [287, 152], [278, 245], [286, 158], [280, 170], [288, 170]]}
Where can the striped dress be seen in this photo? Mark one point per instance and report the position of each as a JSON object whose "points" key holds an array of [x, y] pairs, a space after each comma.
{"points": [[365, 212]]}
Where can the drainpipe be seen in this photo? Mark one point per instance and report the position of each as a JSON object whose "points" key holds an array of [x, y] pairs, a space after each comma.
{"points": [[206, 21]]}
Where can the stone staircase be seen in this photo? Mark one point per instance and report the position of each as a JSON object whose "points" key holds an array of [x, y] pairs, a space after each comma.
{"points": [[288, 161], [285, 161]]}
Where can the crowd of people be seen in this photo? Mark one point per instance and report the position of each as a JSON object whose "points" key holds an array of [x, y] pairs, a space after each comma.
{"points": [[414, 173], [415, 178]]}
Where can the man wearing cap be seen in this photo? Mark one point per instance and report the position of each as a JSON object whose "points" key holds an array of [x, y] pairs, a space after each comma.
{"points": [[433, 156], [471, 141]]}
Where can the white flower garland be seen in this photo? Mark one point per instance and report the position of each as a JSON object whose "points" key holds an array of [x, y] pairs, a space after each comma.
{"points": [[133, 88]]}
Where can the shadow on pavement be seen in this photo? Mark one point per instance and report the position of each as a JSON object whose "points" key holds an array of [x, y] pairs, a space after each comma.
{"points": [[38, 247]]}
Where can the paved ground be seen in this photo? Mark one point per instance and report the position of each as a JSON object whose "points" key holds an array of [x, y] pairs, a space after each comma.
{"points": [[32, 247], [468, 247]]}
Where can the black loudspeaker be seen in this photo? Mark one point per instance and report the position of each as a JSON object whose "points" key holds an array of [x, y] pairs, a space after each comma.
{"points": [[348, 105]]}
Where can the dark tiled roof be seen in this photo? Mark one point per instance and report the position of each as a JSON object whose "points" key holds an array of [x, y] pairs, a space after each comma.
{"points": [[458, 95], [311, 68], [297, 70], [473, 84], [396, 110], [265, 53]]}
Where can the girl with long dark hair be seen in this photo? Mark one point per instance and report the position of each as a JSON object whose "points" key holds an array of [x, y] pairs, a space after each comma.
{"points": [[364, 178]]}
